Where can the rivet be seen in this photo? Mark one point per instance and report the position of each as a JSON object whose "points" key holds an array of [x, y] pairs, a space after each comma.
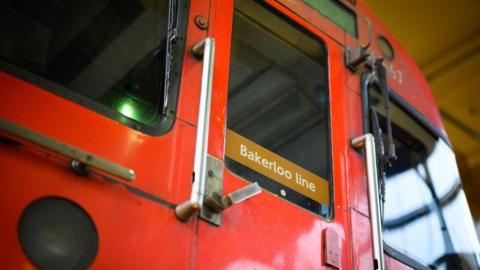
{"points": [[201, 22]]}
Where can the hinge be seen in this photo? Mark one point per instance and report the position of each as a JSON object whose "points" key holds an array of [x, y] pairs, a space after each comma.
{"points": [[215, 202], [355, 59]]}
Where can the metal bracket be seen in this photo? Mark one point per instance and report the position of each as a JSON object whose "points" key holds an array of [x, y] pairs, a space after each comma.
{"points": [[353, 60], [214, 184], [332, 248], [215, 202]]}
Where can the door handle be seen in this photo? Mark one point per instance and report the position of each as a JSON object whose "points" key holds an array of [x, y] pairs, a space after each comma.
{"points": [[205, 50], [217, 203], [367, 141]]}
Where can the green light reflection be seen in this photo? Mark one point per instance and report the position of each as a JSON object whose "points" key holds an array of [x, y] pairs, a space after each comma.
{"points": [[127, 109]]}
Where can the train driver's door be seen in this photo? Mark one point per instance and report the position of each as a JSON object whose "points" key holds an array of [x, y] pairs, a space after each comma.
{"points": [[267, 199]]}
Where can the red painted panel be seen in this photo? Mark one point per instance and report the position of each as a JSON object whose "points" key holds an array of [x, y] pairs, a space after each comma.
{"points": [[361, 241], [221, 30], [154, 159], [134, 233], [192, 67], [356, 172], [266, 232], [392, 264]]}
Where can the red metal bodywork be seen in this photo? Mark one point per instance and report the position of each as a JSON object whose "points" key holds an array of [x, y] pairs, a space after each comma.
{"points": [[261, 233]]}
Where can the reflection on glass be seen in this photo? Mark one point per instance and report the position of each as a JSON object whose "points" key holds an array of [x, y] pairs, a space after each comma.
{"points": [[408, 197], [446, 180], [426, 215], [112, 52], [278, 95]]}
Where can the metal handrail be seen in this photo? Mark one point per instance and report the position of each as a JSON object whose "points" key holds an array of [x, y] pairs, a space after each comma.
{"points": [[67, 150], [206, 50], [367, 141]]}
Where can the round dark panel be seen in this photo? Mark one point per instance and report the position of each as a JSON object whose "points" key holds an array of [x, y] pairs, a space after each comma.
{"points": [[386, 48], [56, 233]]}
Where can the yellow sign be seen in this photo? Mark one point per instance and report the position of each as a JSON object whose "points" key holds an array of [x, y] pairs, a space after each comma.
{"points": [[276, 167]]}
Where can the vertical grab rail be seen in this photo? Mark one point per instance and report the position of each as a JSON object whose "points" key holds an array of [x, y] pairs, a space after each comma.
{"points": [[205, 50], [367, 141]]}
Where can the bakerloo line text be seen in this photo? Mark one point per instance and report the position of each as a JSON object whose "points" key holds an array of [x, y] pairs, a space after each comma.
{"points": [[254, 156]]}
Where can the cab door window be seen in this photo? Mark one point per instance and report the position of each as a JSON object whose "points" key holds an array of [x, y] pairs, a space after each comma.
{"points": [[277, 119], [426, 215]]}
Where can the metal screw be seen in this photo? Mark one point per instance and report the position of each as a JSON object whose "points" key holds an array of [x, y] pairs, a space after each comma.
{"points": [[201, 22], [79, 168]]}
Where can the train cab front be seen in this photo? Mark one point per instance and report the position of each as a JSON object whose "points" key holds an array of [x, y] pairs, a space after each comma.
{"points": [[233, 134]]}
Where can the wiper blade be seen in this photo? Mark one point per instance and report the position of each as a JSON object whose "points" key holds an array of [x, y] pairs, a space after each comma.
{"points": [[382, 77], [169, 54]]}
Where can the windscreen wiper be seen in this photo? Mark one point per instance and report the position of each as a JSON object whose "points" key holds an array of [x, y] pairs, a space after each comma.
{"points": [[382, 81], [172, 35], [379, 147]]}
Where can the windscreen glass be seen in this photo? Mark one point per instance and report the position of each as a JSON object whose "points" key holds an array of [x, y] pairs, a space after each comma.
{"points": [[426, 215], [111, 52]]}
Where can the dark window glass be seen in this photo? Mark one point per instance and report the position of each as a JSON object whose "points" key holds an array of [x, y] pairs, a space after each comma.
{"points": [[426, 215], [278, 98], [112, 52]]}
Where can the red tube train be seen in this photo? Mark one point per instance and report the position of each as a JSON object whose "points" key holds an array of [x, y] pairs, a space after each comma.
{"points": [[225, 134]]}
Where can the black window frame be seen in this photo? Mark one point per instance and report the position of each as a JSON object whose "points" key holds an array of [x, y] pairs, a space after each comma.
{"points": [[178, 18], [330, 179]]}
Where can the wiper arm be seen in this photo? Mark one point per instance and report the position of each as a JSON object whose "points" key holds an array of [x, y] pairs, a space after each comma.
{"points": [[382, 77], [172, 36], [379, 148]]}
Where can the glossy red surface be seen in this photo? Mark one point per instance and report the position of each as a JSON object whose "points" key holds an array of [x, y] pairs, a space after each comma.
{"points": [[266, 232], [135, 233]]}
